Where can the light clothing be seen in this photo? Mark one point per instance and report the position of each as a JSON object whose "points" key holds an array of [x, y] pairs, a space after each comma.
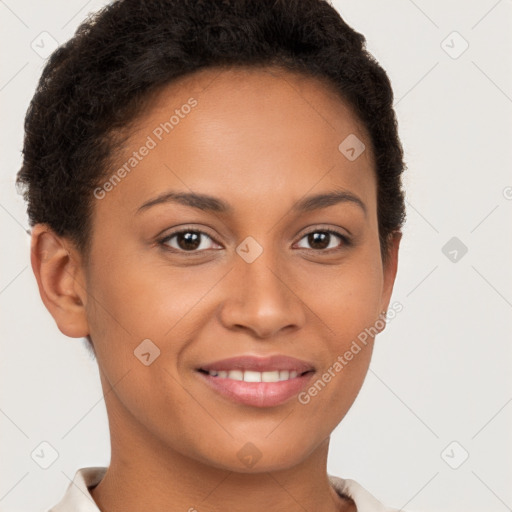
{"points": [[77, 497]]}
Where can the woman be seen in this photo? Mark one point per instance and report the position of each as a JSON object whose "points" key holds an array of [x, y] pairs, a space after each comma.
{"points": [[214, 190]]}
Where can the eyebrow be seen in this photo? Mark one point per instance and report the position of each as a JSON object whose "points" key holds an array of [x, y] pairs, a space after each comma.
{"points": [[206, 202]]}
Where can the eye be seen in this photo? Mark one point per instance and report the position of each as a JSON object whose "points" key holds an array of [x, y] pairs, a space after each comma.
{"points": [[324, 240], [187, 240], [195, 241]]}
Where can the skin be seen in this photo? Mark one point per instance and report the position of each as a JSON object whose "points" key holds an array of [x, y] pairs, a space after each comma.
{"points": [[261, 140]]}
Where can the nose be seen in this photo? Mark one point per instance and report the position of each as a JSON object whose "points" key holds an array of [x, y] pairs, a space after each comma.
{"points": [[262, 298]]}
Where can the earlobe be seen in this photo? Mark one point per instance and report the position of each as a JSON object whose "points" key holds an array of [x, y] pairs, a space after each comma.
{"points": [[57, 269]]}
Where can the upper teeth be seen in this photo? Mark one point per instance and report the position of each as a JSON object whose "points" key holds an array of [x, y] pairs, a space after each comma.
{"points": [[251, 376]]}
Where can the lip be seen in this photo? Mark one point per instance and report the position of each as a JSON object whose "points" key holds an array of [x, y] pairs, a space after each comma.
{"points": [[257, 394], [260, 364]]}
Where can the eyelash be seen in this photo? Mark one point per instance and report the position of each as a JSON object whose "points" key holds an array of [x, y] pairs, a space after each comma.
{"points": [[163, 241]]}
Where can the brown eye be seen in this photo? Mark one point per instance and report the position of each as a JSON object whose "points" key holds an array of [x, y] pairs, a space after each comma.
{"points": [[187, 241], [325, 239]]}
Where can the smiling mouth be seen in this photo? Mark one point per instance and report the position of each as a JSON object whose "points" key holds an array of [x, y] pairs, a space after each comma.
{"points": [[255, 376], [257, 389]]}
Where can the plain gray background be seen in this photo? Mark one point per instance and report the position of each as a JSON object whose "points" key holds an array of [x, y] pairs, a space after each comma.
{"points": [[439, 387]]}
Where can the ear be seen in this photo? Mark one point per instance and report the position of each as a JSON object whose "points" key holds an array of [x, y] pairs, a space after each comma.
{"points": [[390, 267], [57, 267]]}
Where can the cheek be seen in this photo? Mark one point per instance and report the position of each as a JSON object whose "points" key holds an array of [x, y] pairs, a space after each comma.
{"points": [[130, 306], [135, 302], [349, 299], [349, 311], [143, 300]]}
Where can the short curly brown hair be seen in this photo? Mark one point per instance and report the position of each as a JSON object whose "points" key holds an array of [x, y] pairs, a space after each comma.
{"points": [[95, 84]]}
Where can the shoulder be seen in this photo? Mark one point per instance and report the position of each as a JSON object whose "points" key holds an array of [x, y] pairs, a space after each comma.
{"points": [[77, 495], [363, 499]]}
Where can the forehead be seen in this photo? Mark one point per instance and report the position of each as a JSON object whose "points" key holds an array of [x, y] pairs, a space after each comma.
{"points": [[256, 101], [240, 133]]}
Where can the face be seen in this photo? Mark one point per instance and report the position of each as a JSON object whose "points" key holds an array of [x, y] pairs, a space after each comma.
{"points": [[258, 268]]}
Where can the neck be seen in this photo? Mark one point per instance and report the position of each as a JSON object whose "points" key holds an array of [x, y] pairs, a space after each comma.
{"points": [[147, 473], [149, 476]]}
